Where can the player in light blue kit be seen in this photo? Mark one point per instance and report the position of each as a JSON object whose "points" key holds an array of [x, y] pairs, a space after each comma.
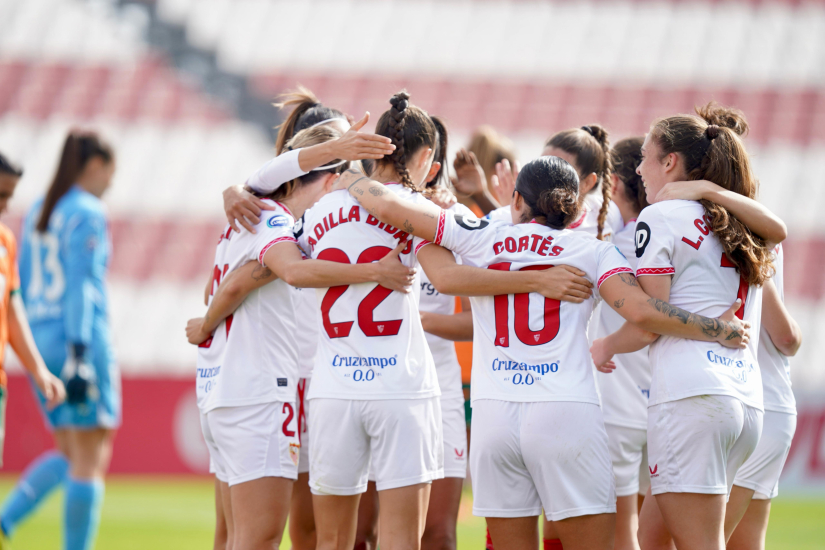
{"points": [[63, 262]]}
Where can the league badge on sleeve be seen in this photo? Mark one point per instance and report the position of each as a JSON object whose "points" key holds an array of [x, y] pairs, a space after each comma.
{"points": [[470, 222], [642, 238], [277, 221]]}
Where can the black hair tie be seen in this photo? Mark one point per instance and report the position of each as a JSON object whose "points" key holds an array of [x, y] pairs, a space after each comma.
{"points": [[712, 132], [589, 130]]}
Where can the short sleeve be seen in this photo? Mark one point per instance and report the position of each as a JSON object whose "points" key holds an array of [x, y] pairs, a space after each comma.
{"points": [[611, 262], [466, 235], [276, 172], [14, 274], [276, 227], [654, 243]]}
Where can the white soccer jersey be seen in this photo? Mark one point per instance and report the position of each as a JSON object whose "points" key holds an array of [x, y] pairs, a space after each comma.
{"points": [[775, 367], [674, 238], [444, 354], [502, 214], [251, 358], [588, 220], [624, 391], [306, 336], [527, 348], [371, 343]]}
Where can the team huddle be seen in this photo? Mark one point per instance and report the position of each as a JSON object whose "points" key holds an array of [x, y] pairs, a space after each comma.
{"points": [[625, 307]]}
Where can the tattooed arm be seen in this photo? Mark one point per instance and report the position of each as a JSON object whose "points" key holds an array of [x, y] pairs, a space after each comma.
{"points": [[653, 315], [232, 291], [420, 220]]}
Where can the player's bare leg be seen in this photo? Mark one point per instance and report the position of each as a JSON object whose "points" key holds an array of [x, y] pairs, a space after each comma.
{"points": [[549, 531], [514, 533], [366, 533], [255, 530], [751, 531], [593, 532], [627, 523], [736, 507], [301, 517], [442, 514], [402, 514], [336, 518], [221, 534], [229, 519], [682, 520], [90, 452]]}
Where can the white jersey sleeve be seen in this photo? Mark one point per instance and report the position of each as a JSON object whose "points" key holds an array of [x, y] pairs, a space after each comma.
{"points": [[775, 365], [275, 227], [501, 214], [674, 238], [276, 172]]}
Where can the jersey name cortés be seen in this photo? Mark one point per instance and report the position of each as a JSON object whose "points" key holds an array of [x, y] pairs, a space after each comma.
{"points": [[625, 391], [674, 238], [251, 357], [527, 348], [371, 343], [775, 366], [444, 354]]}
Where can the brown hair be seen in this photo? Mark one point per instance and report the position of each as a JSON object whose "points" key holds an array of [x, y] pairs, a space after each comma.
{"points": [[711, 148], [590, 146], [307, 110], [550, 187], [410, 128], [440, 154], [307, 138], [490, 148], [625, 156], [78, 150]]}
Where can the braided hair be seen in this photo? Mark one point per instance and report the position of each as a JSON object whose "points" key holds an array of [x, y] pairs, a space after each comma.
{"points": [[410, 128], [590, 146]]}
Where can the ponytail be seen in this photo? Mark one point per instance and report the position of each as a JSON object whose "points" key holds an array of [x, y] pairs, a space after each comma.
{"points": [[410, 128], [78, 150], [307, 111], [591, 147], [440, 154], [625, 157], [550, 187], [712, 149]]}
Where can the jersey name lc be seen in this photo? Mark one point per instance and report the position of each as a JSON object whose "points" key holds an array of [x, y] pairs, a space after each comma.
{"points": [[674, 238], [527, 348], [371, 343]]}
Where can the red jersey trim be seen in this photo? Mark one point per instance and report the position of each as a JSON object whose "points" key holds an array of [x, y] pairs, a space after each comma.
{"points": [[284, 207], [612, 272], [421, 245], [655, 271], [439, 232], [284, 239], [580, 221]]}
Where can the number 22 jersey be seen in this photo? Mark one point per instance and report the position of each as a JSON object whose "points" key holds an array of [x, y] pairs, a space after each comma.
{"points": [[371, 343], [674, 238], [527, 348]]}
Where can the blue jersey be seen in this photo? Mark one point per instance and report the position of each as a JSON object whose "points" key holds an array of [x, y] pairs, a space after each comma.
{"points": [[63, 272]]}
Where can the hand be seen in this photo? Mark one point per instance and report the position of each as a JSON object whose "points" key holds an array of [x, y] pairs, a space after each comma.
{"points": [[356, 146], [601, 356], [195, 332], [242, 207], [564, 283], [686, 190], [735, 332], [51, 387], [504, 181], [470, 179], [441, 196], [392, 274]]}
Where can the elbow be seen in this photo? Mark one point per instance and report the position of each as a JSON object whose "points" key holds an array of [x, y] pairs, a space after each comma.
{"points": [[779, 234], [646, 321], [290, 277], [442, 284], [790, 343]]}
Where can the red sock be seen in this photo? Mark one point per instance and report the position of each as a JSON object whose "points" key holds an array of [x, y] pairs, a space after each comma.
{"points": [[489, 541], [552, 544]]}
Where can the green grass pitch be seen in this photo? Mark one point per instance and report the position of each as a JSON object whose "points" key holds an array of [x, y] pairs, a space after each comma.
{"points": [[177, 513]]}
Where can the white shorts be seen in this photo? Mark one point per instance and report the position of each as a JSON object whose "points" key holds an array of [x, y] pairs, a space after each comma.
{"points": [[454, 426], [762, 470], [696, 444], [628, 449], [252, 441], [402, 439], [303, 425], [550, 455]]}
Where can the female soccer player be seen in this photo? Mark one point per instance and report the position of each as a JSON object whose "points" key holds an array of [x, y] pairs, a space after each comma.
{"points": [[624, 390], [248, 365], [538, 434], [705, 413], [757, 481], [63, 263]]}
